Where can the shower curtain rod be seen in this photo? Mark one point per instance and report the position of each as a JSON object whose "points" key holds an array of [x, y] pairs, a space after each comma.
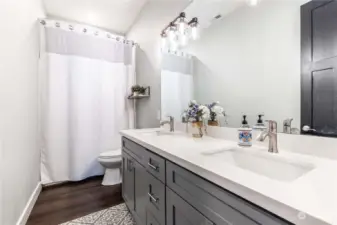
{"points": [[85, 29]]}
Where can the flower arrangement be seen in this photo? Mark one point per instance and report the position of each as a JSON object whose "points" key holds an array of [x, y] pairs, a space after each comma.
{"points": [[215, 111], [197, 112]]}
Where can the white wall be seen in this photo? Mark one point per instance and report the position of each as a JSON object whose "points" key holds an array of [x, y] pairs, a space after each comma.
{"points": [[250, 62], [146, 32], [19, 49]]}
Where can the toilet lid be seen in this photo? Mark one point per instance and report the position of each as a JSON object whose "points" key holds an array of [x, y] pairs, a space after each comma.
{"points": [[111, 154]]}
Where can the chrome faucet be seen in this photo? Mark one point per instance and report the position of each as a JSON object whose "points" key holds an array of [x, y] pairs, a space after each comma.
{"points": [[170, 121], [272, 134], [287, 126]]}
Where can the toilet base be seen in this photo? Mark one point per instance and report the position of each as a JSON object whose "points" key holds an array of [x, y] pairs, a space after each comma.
{"points": [[112, 177]]}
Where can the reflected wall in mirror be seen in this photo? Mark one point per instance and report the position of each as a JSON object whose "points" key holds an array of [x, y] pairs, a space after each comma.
{"points": [[249, 60]]}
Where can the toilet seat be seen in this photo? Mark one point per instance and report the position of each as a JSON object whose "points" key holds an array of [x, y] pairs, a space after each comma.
{"points": [[112, 162], [111, 154]]}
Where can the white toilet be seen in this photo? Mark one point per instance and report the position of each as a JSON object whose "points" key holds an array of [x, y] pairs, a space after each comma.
{"points": [[112, 162]]}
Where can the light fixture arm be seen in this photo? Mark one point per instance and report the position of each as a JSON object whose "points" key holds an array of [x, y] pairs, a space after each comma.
{"points": [[193, 21]]}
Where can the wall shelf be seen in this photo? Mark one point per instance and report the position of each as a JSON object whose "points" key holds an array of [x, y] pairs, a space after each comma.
{"points": [[146, 94], [138, 96]]}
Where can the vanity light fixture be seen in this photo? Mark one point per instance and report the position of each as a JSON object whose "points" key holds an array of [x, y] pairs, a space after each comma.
{"points": [[163, 40], [172, 32], [183, 39], [182, 23], [195, 30], [178, 32]]}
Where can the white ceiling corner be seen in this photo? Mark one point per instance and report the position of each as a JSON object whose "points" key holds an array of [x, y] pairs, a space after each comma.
{"points": [[206, 10], [114, 15]]}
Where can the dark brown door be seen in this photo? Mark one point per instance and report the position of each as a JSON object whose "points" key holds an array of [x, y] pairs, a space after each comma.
{"points": [[319, 67]]}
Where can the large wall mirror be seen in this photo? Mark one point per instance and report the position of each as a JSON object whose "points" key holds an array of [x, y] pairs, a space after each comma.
{"points": [[248, 60]]}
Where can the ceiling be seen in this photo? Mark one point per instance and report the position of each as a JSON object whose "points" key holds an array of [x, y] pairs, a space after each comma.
{"points": [[206, 10], [118, 16], [114, 15]]}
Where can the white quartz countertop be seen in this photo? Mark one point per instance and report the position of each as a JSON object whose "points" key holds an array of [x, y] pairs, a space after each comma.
{"points": [[309, 200]]}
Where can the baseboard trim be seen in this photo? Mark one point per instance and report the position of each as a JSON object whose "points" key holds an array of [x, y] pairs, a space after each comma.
{"points": [[30, 204]]}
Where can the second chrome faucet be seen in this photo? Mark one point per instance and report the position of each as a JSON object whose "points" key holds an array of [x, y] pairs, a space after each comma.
{"points": [[271, 132], [170, 121]]}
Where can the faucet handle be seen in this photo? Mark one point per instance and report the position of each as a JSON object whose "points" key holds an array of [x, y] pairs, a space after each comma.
{"points": [[287, 122], [272, 125], [307, 128]]}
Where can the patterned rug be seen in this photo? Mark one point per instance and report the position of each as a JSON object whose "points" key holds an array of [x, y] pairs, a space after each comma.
{"points": [[116, 215]]}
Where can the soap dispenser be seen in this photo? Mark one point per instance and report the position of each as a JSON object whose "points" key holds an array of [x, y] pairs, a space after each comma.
{"points": [[245, 133], [260, 125]]}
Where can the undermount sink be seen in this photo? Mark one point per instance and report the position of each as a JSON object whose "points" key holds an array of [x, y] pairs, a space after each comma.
{"points": [[265, 164], [158, 133]]}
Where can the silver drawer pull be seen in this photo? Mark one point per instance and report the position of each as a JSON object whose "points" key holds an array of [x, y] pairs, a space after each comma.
{"points": [[153, 166], [152, 198]]}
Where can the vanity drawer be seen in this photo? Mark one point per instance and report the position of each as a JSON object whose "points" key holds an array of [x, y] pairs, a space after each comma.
{"points": [[217, 204], [156, 198], [155, 165], [135, 150]]}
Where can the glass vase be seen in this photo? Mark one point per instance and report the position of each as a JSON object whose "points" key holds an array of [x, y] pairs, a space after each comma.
{"points": [[197, 129]]}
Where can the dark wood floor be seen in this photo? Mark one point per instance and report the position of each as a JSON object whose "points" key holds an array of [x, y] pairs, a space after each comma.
{"points": [[69, 201]]}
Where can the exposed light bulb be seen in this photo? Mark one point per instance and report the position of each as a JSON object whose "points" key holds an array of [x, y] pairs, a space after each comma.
{"points": [[182, 27], [183, 40], [253, 2], [172, 35], [195, 32], [182, 23]]}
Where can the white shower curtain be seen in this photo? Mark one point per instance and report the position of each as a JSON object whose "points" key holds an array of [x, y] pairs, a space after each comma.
{"points": [[85, 80]]}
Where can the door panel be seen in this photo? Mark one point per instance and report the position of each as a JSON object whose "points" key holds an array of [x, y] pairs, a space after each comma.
{"points": [[324, 101], [151, 220], [180, 212], [140, 192], [128, 181], [319, 64], [156, 198], [324, 22]]}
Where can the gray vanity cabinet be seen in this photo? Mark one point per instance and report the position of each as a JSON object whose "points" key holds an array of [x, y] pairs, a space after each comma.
{"points": [[180, 212], [159, 192], [141, 197], [128, 174], [134, 187], [144, 193]]}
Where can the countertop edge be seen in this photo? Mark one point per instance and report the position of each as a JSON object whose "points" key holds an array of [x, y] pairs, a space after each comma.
{"points": [[278, 208]]}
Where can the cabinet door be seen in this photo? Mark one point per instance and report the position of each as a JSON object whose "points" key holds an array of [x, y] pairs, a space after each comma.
{"points": [[151, 220], [156, 198], [180, 212], [140, 193], [128, 186]]}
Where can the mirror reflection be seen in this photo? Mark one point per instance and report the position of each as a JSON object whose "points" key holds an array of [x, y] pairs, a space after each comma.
{"points": [[247, 62]]}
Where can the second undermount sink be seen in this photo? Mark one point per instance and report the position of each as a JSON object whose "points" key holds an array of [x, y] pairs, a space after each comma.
{"points": [[265, 164], [158, 133]]}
